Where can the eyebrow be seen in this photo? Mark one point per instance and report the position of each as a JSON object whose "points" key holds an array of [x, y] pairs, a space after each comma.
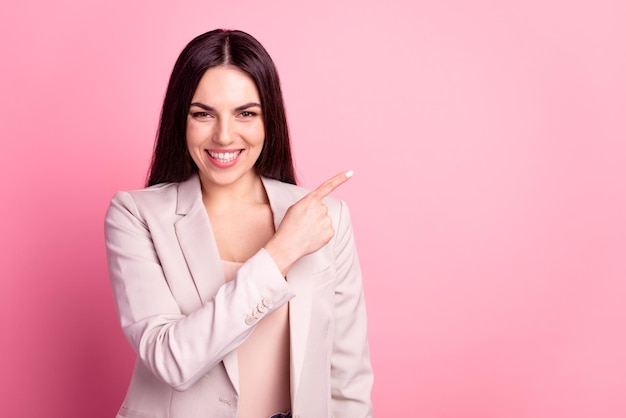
{"points": [[237, 109]]}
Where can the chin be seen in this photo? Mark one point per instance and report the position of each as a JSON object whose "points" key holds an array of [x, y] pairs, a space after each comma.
{"points": [[226, 179]]}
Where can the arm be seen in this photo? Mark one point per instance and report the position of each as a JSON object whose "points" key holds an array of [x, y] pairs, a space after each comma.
{"points": [[351, 372], [178, 348]]}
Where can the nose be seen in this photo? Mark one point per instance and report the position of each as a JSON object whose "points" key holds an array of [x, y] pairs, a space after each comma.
{"points": [[224, 132]]}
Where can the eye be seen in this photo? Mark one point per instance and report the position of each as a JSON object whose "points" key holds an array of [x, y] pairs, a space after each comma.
{"points": [[247, 114], [200, 114]]}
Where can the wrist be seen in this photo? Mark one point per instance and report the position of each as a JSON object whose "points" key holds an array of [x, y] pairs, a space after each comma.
{"points": [[282, 256]]}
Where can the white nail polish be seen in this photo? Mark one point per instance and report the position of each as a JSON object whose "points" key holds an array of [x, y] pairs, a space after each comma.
{"points": [[349, 173]]}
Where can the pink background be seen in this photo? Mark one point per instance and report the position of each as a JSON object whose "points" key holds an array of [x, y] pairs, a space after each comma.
{"points": [[488, 140]]}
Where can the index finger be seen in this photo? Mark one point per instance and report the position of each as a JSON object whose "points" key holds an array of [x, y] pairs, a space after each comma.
{"points": [[331, 184]]}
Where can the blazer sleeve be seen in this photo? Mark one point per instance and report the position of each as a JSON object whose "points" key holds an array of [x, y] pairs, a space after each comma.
{"points": [[351, 372], [179, 349]]}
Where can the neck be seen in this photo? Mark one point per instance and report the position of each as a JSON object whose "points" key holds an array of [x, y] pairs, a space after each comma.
{"points": [[247, 190]]}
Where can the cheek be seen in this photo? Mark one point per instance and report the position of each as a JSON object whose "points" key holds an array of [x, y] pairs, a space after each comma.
{"points": [[193, 134], [256, 134], [188, 133]]}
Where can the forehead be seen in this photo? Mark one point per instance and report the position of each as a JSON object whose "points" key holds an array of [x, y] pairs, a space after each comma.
{"points": [[226, 85]]}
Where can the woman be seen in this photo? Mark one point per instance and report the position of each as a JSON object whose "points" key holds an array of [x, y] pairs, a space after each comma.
{"points": [[239, 291]]}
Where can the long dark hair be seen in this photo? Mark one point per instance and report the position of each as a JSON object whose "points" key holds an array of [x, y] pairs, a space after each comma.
{"points": [[171, 161]]}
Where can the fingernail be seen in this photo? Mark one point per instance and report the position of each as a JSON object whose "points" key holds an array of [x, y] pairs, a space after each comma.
{"points": [[349, 173]]}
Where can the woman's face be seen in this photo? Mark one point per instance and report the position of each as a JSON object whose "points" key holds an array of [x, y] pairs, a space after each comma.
{"points": [[225, 131]]}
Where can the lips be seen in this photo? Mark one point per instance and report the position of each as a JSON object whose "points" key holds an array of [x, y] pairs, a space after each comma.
{"points": [[224, 157]]}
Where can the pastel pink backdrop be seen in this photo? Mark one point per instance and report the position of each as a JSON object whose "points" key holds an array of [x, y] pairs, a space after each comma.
{"points": [[488, 141]]}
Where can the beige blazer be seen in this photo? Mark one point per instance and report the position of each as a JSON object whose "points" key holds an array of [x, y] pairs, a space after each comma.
{"points": [[185, 323]]}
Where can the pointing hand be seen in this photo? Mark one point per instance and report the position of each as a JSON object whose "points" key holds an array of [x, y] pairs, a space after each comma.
{"points": [[306, 226]]}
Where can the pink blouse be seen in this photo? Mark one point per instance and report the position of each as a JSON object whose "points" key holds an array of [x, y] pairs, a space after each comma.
{"points": [[263, 362]]}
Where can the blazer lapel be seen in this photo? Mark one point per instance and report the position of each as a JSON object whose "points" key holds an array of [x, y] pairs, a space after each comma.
{"points": [[299, 282], [199, 247], [196, 239]]}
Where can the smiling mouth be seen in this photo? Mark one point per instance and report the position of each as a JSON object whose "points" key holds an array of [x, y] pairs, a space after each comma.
{"points": [[224, 157]]}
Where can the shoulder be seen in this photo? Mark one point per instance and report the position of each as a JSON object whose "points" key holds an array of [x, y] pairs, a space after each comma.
{"points": [[150, 197], [160, 201]]}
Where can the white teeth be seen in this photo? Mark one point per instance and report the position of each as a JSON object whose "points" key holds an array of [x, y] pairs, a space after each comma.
{"points": [[224, 157]]}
